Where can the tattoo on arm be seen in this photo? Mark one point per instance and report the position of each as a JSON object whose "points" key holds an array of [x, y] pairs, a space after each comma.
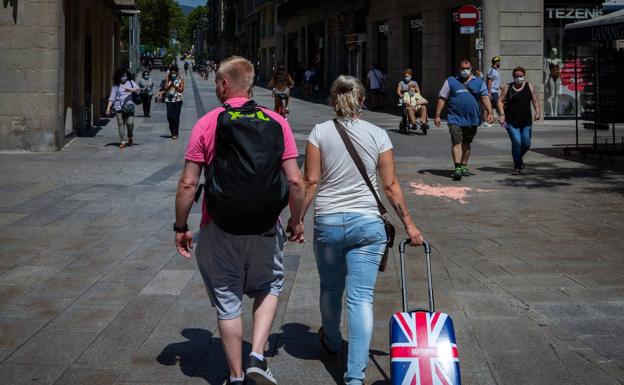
{"points": [[399, 209]]}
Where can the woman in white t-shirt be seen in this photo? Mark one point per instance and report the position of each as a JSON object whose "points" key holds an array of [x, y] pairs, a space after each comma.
{"points": [[349, 234]]}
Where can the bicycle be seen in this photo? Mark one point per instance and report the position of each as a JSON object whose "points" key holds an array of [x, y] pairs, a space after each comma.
{"points": [[281, 107]]}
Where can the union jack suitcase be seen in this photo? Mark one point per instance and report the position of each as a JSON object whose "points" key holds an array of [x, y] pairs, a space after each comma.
{"points": [[423, 349]]}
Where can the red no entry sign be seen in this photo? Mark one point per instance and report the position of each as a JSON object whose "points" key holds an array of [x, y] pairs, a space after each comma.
{"points": [[468, 16]]}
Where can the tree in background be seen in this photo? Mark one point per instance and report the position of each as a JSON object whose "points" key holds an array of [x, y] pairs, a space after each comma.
{"points": [[192, 23], [161, 22]]}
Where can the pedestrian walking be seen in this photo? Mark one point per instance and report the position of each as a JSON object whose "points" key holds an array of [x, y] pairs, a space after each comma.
{"points": [[308, 81], [463, 93], [121, 102], [514, 113], [250, 157], [493, 81], [349, 232], [146, 86], [174, 87], [375, 85]]}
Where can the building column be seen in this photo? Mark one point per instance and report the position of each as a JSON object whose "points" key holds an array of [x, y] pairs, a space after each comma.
{"points": [[305, 45], [31, 82], [490, 16]]}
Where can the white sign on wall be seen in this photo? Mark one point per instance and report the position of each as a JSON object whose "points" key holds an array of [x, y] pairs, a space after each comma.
{"points": [[573, 13]]}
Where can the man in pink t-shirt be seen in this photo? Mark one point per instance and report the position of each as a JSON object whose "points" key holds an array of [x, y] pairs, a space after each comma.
{"points": [[232, 265]]}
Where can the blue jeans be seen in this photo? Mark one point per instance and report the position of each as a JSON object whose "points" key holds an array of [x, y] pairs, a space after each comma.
{"points": [[348, 249], [520, 143]]}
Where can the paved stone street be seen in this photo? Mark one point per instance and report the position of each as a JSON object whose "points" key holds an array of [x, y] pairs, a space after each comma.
{"points": [[92, 291]]}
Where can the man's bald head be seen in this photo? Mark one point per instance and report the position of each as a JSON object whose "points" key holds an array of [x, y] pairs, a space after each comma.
{"points": [[239, 73]]}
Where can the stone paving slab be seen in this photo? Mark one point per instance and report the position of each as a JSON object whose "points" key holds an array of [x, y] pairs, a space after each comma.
{"points": [[92, 291]]}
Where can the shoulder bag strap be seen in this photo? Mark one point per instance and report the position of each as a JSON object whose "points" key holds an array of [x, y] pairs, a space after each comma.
{"points": [[359, 164]]}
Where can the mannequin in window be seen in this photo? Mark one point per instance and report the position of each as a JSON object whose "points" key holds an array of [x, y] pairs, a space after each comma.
{"points": [[553, 80]]}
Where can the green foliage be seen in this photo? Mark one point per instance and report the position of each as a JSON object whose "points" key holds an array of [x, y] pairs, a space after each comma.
{"points": [[161, 21], [191, 23]]}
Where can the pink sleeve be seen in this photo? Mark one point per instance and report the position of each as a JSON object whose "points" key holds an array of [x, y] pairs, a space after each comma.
{"points": [[290, 146], [196, 147]]}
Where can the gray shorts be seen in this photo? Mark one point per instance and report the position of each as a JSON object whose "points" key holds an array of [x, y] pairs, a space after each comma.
{"points": [[462, 134], [233, 265]]}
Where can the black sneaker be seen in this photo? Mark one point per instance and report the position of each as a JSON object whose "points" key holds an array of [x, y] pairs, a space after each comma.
{"points": [[258, 372], [465, 171], [457, 174], [228, 382]]}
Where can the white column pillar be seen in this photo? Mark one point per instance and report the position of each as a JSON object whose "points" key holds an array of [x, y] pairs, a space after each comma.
{"points": [[490, 16]]}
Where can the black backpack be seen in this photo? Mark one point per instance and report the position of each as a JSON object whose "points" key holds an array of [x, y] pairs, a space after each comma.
{"points": [[245, 187]]}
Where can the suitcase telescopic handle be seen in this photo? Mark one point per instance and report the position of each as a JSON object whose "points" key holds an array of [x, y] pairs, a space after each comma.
{"points": [[403, 279]]}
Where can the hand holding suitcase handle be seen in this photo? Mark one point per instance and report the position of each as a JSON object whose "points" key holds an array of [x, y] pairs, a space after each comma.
{"points": [[403, 282]]}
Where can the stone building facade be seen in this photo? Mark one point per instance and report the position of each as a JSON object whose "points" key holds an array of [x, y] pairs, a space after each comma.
{"points": [[58, 58], [348, 37]]}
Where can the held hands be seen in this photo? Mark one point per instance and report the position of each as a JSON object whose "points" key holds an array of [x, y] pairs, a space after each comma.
{"points": [[295, 231], [490, 118], [184, 243], [501, 120]]}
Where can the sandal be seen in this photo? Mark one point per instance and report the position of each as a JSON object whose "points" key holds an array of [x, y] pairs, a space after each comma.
{"points": [[516, 171], [122, 145], [321, 335]]}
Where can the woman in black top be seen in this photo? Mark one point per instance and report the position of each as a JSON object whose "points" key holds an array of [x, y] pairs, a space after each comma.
{"points": [[514, 113]]}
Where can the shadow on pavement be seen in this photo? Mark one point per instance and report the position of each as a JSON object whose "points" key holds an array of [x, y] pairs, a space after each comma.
{"points": [[444, 173], [547, 175], [201, 356], [298, 341], [373, 354], [615, 165]]}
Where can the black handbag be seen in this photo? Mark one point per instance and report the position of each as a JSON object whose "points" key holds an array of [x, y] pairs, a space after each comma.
{"points": [[390, 230]]}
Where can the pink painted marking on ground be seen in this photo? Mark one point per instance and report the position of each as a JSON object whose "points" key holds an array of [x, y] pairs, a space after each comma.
{"points": [[459, 194]]}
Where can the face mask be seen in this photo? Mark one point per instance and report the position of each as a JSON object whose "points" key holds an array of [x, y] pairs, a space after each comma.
{"points": [[519, 79], [465, 73], [407, 79], [174, 76], [412, 93], [145, 77], [124, 79]]}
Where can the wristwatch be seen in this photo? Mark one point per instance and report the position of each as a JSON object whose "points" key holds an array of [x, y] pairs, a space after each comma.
{"points": [[180, 229]]}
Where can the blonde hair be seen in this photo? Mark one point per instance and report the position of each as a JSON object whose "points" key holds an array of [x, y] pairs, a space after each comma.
{"points": [[411, 85], [238, 71], [347, 95]]}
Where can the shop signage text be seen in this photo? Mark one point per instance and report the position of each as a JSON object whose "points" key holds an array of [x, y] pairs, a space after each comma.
{"points": [[573, 13]]}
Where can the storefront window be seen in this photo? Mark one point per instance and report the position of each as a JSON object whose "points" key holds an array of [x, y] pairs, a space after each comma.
{"points": [[559, 59]]}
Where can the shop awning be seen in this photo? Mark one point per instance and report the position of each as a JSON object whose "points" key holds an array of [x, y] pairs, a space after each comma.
{"points": [[602, 28]]}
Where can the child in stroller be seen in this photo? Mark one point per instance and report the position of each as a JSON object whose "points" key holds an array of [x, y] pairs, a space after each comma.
{"points": [[414, 108]]}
